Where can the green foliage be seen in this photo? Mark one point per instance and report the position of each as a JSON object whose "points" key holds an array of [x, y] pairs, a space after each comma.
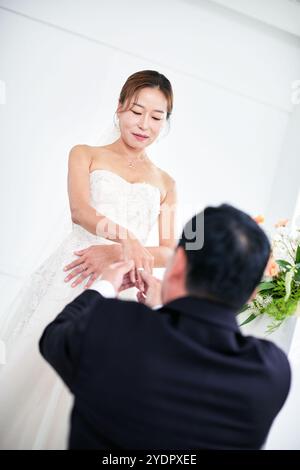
{"points": [[297, 259], [279, 297]]}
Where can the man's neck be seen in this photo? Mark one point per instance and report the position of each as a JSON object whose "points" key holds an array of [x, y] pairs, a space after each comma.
{"points": [[174, 295]]}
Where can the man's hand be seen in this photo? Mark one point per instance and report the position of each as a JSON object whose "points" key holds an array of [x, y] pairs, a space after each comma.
{"points": [[91, 262], [115, 273], [127, 282], [152, 293]]}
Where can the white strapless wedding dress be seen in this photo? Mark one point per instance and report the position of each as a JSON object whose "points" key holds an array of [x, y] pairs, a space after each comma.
{"points": [[34, 402]]}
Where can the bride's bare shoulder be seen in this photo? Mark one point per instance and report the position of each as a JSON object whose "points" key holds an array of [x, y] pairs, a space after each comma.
{"points": [[88, 150], [79, 154], [80, 149], [86, 153]]}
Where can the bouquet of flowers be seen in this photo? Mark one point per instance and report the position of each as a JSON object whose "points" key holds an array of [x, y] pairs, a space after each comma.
{"points": [[278, 294]]}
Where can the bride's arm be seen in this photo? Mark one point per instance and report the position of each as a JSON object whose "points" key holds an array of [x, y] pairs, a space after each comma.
{"points": [[82, 212], [166, 226]]}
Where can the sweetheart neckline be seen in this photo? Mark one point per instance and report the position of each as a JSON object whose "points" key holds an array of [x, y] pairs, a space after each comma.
{"points": [[125, 180]]}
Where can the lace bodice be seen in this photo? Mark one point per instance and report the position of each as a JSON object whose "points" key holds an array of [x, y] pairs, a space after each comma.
{"points": [[131, 205]]}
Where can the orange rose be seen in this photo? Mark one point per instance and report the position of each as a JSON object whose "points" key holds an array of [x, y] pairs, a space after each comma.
{"points": [[259, 219], [282, 223], [272, 268]]}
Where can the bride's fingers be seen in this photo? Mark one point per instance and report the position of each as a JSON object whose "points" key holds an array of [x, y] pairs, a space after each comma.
{"points": [[147, 269], [75, 263], [91, 280], [132, 275], [140, 283], [74, 273], [82, 277], [81, 252]]}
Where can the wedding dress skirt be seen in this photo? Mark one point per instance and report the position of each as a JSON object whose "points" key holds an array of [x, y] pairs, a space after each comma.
{"points": [[34, 402]]}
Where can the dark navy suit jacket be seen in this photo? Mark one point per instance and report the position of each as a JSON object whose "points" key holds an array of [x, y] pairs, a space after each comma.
{"points": [[181, 377]]}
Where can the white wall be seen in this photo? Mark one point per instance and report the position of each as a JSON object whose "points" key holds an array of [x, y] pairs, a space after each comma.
{"points": [[234, 130], [284, 14], [285, 187]]}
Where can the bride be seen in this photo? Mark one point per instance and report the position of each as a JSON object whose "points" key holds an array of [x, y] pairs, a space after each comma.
{"points": [[116, 195]]}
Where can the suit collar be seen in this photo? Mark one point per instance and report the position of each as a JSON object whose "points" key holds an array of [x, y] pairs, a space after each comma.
{"points": [[204, 310]]}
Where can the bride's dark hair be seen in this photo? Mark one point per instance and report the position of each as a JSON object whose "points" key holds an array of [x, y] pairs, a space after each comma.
{"points": [[143, 79]]}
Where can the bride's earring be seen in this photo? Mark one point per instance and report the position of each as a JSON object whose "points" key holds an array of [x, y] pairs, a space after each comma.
{"points": [[116, 121]]}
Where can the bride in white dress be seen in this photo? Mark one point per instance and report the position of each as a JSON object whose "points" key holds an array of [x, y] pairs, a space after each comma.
{"points": [[116, 195]]}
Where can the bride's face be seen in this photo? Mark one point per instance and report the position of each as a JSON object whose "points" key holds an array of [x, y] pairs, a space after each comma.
{"points": [[142, 122]]}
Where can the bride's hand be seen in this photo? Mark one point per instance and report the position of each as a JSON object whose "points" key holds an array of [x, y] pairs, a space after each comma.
{"points": [[143, 259], [91, 262]]}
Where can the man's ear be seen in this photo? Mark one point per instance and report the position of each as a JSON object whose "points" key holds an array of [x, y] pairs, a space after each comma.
{"points": [[179, 263], [253, 295]]}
